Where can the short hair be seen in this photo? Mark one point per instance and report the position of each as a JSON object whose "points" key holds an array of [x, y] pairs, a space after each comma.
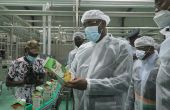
{"points": [[32, 44]]}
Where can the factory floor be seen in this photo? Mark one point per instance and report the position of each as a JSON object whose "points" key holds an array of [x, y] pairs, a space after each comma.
{"points": [[7, 98]]}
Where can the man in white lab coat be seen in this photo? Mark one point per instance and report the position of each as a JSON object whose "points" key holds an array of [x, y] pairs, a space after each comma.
{"points": [[78, 39], [142, 90], [102, 67], [162, 19]]}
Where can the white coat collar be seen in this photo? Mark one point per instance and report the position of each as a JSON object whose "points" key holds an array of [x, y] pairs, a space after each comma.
{"points": [[151, 58], [103, 40]]}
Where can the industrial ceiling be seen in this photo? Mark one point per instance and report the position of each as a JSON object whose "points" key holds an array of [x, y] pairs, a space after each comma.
{"points": [[30, 17]]}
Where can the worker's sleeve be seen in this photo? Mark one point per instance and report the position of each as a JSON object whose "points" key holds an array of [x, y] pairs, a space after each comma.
{"points": [[74, 66], [119, 81], [151, 85], [41, 69], [131, 96], [11, 70], [69, 60]]}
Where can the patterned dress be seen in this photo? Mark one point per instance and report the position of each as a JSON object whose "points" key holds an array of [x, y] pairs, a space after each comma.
{"points": [[18, 71]]}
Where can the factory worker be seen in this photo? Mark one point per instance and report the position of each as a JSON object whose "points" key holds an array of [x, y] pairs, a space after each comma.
{"points": [[162, 19], [132, 36], [163, 79], [102, 67], [142, 90], [26, 72], [78, 39]]}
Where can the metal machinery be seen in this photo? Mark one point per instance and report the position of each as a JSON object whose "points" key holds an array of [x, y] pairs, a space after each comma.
{"points": [[52, 22]]}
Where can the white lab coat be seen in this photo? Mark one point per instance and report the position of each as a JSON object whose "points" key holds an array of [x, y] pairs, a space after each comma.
{"points": [[163, 78], [71, 56], [107, 66], [133, 50], [143, 84]]}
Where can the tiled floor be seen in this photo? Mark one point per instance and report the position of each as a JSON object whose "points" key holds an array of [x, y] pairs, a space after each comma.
{"points": [[6, 99]]}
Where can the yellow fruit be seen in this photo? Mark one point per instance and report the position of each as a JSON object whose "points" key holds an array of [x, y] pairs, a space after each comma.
{"points": [[67, 76]]}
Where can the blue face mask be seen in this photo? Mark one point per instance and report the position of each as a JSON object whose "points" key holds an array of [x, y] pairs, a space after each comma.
{"points": [[31, 59], [92, 33]]}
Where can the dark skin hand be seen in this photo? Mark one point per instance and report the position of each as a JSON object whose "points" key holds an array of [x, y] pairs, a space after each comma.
{"points": [[11, 83], [77, 83]]}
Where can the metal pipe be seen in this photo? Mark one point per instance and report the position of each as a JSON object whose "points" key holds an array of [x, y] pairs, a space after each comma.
{"points": [[84, 3], [74, 21], [77, 15], [48, 5], [44, 31], [121, 1], [49, 35], [57, 27], [39, 21], [117, 5], [35, 12], [17, 47], [35, 4], [19, 18], [11, 36], [117, 28], [71, 13]]}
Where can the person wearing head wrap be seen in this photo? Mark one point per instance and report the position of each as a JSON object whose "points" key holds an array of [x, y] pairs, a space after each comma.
{"points": [[78, 39], [102, 67], [142, 90]]}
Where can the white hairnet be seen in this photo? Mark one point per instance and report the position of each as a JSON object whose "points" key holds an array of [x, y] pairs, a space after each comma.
{"points": [[144, 41], [95, 14], [80, 34]]}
